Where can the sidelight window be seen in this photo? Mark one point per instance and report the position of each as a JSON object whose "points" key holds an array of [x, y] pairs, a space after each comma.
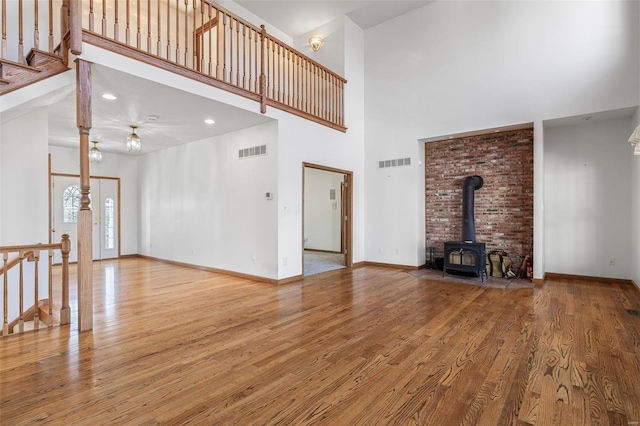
{"points": [[71, 203], [109, 224]]}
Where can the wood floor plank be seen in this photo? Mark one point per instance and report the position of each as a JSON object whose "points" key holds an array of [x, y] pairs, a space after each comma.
{"points": [[370, 346]]}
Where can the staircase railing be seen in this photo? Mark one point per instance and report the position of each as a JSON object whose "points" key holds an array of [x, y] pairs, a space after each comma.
{"points": [[25, 23], [15, 288]]}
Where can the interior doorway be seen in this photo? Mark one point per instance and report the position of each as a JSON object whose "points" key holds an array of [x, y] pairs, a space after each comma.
{"points": [[327, 216], [105, 207]]}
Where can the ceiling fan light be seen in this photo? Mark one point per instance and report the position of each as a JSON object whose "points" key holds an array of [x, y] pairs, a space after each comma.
{"points": [[134, 144], [95, 155]]}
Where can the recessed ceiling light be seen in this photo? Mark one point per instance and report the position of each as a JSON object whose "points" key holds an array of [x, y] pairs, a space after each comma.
{"points": [[209, 121], [152, 118], [109, 96]]}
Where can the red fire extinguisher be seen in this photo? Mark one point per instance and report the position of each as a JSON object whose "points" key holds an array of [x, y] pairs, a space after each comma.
{"points": [[529, 270]]}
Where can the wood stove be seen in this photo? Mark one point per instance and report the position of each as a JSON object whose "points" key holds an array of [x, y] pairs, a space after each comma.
{"points": [[465, 257]]}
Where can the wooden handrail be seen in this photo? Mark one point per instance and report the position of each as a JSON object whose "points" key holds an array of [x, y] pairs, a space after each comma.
{"points": [[32, 252], [13, 262]]}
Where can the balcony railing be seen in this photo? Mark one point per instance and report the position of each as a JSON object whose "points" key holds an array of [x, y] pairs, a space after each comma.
{"points": [[195, 38]]}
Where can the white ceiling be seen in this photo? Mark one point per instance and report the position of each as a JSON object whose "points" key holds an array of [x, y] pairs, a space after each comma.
{"points": [[180, 115], [296, 17]]}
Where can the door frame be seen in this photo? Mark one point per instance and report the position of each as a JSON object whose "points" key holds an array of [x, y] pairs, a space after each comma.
{"points": [[347, 207], [51, 175]]}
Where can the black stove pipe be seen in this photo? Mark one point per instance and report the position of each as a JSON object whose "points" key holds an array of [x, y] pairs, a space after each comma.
{"points": [[471, 183]]}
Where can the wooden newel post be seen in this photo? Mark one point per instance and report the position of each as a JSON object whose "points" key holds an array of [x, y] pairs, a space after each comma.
{"points": [[263, 77], [65, 310], [85, 245], [75, 27], [64, 28]]}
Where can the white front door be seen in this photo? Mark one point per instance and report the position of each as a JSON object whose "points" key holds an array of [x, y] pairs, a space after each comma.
{"points": [[65, 194]]}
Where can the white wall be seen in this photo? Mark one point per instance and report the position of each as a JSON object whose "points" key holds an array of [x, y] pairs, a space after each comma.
{"points": [[587, 205], [322, 224], [200, 204], [23, 167], [23, 206], [332, 51], [303, 141], [451, 67], [125, 167]]}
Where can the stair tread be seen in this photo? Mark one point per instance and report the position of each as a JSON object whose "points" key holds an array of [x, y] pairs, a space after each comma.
{"points": [[6, 62], [42, 58]]}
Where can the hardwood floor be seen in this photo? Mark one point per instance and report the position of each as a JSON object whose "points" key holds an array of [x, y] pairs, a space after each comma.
{"points": [[369, 346]]}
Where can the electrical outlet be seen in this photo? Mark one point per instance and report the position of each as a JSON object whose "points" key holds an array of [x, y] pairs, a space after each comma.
{"points": [[381, 250], [254, 258], [284, 261], [397, 252], [612, 262]]}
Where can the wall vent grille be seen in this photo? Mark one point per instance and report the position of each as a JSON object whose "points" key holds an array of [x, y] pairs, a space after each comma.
{"points": [[394, 163], [252, 152]]}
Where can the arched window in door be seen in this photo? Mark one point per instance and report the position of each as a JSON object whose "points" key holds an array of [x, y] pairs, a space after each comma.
{"points": [[109, 224], [71, 203]]}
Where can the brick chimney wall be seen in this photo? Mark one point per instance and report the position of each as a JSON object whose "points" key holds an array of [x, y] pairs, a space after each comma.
{"points": [[503, 206]]}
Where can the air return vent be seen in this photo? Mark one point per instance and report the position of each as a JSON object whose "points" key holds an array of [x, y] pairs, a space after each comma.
{"points": [[394, 163], [252, 152]]}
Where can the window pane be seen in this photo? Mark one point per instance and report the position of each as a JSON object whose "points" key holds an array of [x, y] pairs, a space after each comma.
{"points": [[71, 203], [109, 224]]}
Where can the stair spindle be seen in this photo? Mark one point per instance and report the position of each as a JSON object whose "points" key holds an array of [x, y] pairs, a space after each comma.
{"points": [[127, 31], [21, 293], [20, 34], [231, 21], [91, 16], [36, 297], [104, 18], [138, 33], [50, 289], [158, 28], [237, 53], [186, 33], [36, 31], [178, 32], [5, 295], [210, 39], [251, 34], [168, 58], [3, 46], [149, 26], [196, 64], [116, 25], [51, 46]]}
